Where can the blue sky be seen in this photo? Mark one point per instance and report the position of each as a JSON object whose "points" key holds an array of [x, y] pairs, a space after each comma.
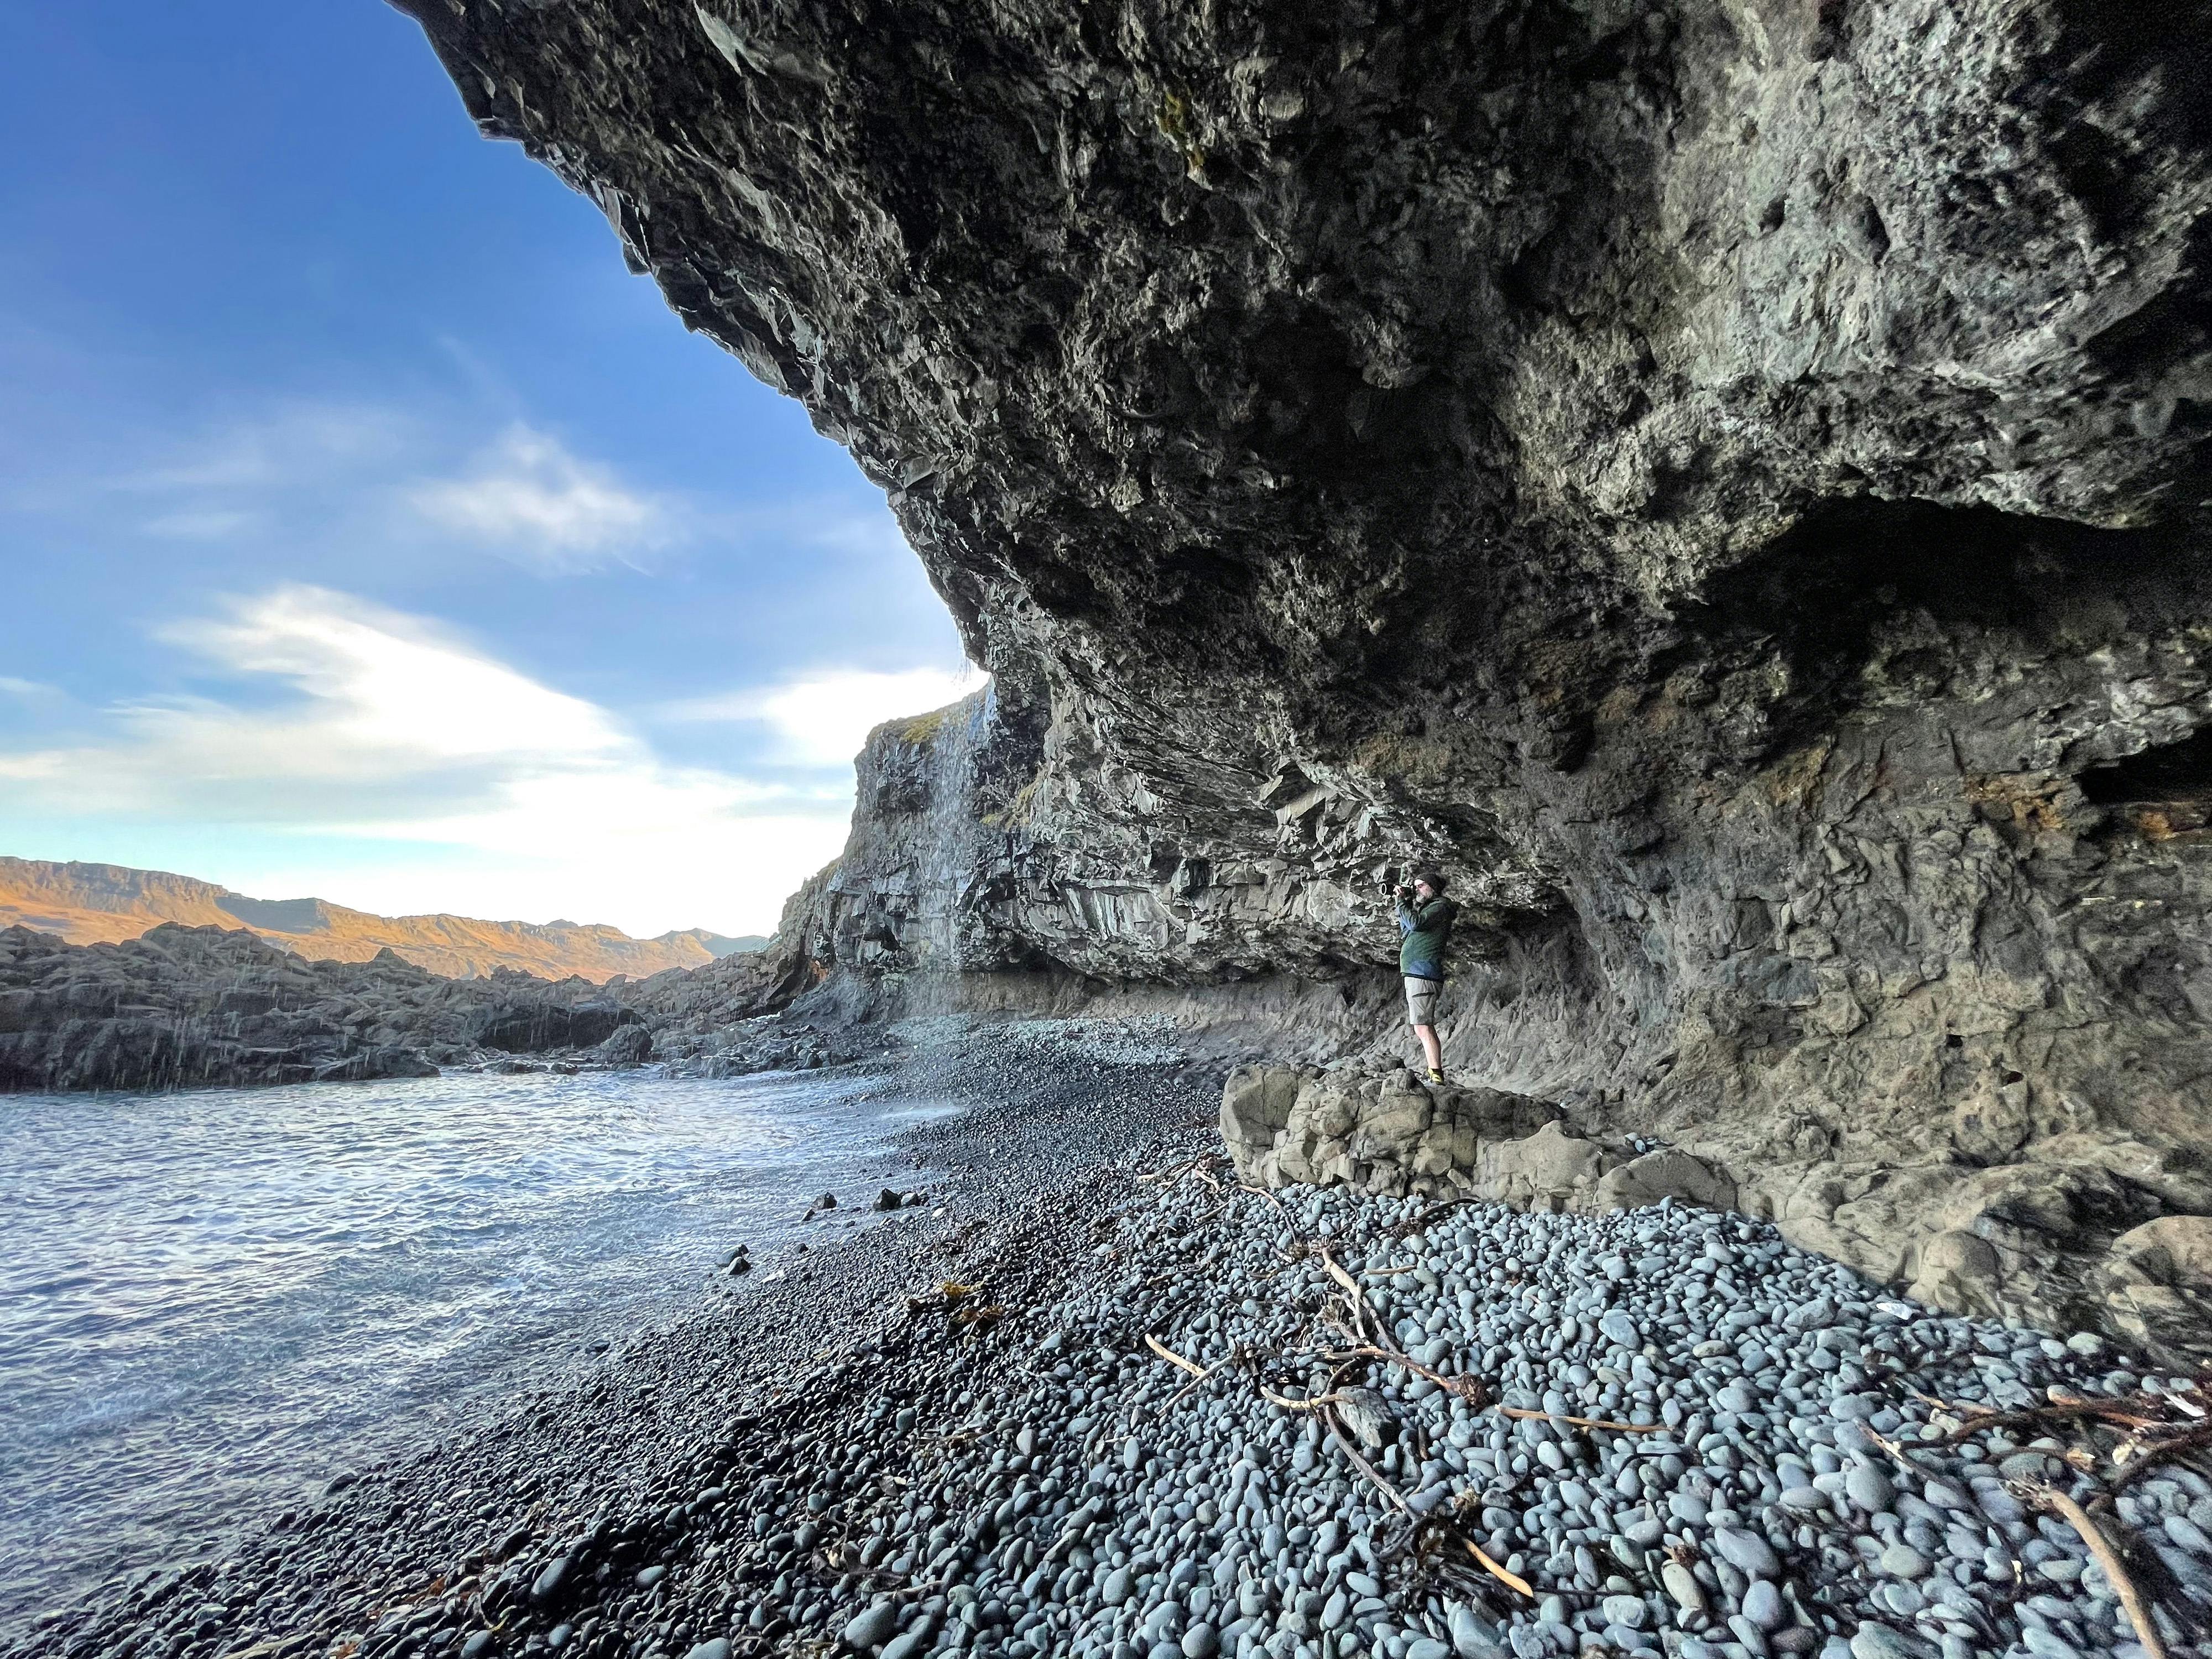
{"points": [[369, 531]]}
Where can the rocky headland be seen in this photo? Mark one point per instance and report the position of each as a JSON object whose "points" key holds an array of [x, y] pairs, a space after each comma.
{"points": [[108, 904], [178, 1008]]}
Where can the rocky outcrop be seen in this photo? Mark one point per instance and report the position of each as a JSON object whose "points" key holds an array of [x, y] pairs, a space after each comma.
{"points": [[1722, 481], [2079, 1236], [1380, 1133], [108, 903], [183, 1006], [1383, 1131]]}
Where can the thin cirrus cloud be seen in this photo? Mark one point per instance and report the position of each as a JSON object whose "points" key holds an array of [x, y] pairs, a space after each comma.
{"points": [[524, 497], [385, 727], [530, 499], [821, 720]]}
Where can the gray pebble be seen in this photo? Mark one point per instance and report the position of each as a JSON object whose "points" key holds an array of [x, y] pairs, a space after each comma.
{"points": [[1763, 1605], [1747, 1552], [873, 1628], [1901, 1560], [1682, 1584]]}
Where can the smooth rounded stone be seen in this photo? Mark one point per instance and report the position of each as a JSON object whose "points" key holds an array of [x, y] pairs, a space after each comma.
{"points": [[1901, 1560], [2187, 1534], [1805, 1500], [1335, 1611], [552, 1581], [1688, 1508], [1627, 1611], [1115, 1590], [479, 1644], [717, 1649], [1901, 1598], [649, 1577], [1202, 1641], [1944, 1496], [1763, 1605], [1682, 1584], [909, 1643], [1471, 1637], [1426, 1647], [1880, 1642], [1747, 1552], [1619, 1328], [872, 1628]]}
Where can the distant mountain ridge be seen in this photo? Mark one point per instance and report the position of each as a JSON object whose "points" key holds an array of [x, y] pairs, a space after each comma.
{"points": [[108, 903]]}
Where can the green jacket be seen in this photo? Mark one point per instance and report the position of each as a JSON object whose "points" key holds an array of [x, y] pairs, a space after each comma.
{"points": [[1427, 929]]}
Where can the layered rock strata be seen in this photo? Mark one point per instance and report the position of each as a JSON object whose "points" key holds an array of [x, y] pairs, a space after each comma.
{"points": [[1722, 481], [182, 1007]]}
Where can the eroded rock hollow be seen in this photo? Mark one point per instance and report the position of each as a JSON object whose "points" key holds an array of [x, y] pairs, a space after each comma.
{"points": [[1721, 480]]}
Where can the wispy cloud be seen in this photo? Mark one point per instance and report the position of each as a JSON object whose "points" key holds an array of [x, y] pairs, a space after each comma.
{"points": [[385, 725], [293, 443], [12, 686], [822, 719], [529, 499]]}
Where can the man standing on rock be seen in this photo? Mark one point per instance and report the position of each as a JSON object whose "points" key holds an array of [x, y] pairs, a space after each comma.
{"points": [[1424, 917]]}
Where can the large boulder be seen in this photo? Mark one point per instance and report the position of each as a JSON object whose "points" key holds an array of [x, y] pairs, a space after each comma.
{"points": [[1379, 1131], [1668, 1173], [2159, 1283]]}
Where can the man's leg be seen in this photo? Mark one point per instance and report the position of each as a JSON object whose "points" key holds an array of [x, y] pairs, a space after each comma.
{"points": [[1421, 1014], [1431, 1048]]}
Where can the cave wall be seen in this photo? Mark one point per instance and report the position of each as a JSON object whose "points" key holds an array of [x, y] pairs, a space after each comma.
{"points": [[1721, 478]]}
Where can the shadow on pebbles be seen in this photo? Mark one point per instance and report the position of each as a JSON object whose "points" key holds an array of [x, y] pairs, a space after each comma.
{"points": [[1111, 1405]]}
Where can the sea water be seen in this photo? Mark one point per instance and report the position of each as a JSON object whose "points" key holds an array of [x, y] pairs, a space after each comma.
{"points": [[213, 1303]]}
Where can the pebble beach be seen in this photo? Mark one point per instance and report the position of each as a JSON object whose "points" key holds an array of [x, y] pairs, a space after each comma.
{"points": [[1092, 1399]]}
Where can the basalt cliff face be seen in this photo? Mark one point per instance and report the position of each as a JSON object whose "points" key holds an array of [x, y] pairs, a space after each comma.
{"points": [[1723, 481]]}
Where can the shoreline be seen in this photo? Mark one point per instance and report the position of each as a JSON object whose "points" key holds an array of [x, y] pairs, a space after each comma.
{"points": [[860, 1442], [1015, 1121]]}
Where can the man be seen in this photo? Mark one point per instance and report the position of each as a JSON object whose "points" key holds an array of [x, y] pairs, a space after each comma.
{"points": [[1425, 917]]}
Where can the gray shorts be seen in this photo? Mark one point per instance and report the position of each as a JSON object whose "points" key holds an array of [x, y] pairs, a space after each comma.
{"points": [[1421, 1000]]}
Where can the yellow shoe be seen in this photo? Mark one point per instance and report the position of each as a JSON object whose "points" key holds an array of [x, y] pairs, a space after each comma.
{"points": [[1436, 1077]]}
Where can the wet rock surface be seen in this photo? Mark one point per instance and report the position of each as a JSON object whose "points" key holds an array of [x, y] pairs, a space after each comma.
{"points": [[1722, 483], [951, 1433]]}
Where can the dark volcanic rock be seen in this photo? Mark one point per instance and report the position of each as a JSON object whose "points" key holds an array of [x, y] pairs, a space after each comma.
{"points": [[1723, 482], [179, 1006], [527, 1026]]}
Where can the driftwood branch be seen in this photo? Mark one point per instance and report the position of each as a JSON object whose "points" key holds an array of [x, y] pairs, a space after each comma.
{"points": [[1175, 1359], [1328, 1416], [1523, 1412], [1511, 1580], [2050, 1498]]}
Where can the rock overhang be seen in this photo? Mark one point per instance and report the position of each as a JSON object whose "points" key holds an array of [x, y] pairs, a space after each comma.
{"points": [[1724, 480]]}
